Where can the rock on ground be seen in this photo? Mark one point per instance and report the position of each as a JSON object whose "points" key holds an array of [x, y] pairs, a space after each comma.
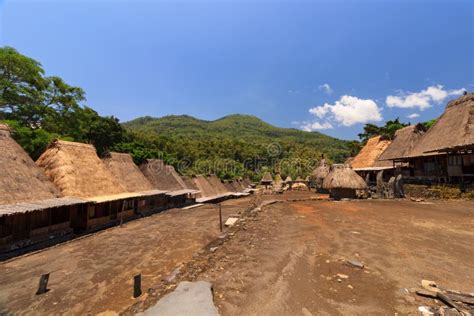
{"points": [[189, 298]]}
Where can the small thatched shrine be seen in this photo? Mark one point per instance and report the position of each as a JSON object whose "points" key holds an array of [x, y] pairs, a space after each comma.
{"points": [[318, 174], [343, 182], [267, 179]]}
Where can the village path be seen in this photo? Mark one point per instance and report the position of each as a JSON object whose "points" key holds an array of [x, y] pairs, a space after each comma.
{"points": [[94, 274], [285, 261]]}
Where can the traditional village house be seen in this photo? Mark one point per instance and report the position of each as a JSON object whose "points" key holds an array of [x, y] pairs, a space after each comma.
{"points": [[132, 179], [164, 177], [444, 153], [398, 150], [77, 171], [31, 209], [367, 163]]}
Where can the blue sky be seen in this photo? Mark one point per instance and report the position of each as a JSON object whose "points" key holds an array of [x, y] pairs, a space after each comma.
{"points": [[328, 66]]}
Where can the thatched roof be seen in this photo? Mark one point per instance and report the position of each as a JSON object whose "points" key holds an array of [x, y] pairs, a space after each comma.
{"points": [[188, 182], [204, 186], [299, 179], [321, 171], [20, 179], [125, 170], [288, 179], [217, 184], [343, 177], [161, 176], [77, 171], [32, 206], [369, 155], [403, 143], [267, 178], [230, 187], [453, 130]]}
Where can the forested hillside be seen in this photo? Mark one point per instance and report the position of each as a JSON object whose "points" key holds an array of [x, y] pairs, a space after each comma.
{"points": [[40, 108], [240, 140]]}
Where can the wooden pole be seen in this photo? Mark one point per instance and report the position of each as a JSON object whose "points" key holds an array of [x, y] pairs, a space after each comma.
{"points": [[137, 285], [43, 284], [220, 217]]}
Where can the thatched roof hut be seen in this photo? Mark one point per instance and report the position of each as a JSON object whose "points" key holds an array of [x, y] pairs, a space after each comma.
{"points": [[453, 131], [343, 177], [77, 171], [125, 170], [403, 143], [288, 179], [321, 171], [267, 178], [368, 157], [162, 176], [20, 179]]}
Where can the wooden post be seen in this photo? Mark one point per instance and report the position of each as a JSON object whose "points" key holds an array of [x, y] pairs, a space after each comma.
{"points": [[220, 217], [43, 284], [437, 169], [137, 285]]}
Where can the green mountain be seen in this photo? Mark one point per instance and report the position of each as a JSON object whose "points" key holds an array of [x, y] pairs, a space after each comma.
{"points": [[240, 128]]}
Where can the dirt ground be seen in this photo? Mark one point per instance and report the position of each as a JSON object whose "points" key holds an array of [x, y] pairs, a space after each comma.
{"points": [[281, 259]]}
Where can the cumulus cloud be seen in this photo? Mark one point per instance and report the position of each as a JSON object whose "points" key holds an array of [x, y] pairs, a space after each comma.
{"points": [[326, 88], [349, 110], [413, 115], [422, 99], [316, 126]]}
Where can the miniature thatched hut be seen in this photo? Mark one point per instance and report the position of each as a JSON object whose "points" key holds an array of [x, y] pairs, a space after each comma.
{"points": [[267, 179], [343, 182], [318, 174]]}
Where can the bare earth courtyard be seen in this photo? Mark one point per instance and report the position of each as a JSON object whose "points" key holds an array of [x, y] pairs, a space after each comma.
{"points": [[282, 259]]}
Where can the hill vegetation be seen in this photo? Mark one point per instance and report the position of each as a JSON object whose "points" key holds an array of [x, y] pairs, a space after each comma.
{"points": [[40, 108], [235, 145]]}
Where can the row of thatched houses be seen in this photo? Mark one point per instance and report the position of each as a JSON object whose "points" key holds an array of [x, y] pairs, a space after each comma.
{"points": [[71, 190], [442, 154]]}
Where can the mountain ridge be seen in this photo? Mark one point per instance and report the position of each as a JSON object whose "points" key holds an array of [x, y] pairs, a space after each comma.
{"points": [[238, 127]]}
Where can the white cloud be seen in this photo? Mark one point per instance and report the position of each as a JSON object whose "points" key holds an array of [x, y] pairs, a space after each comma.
{"points": [[413, 115], [349, 110], [326, 88], [423, 99], [315, 126]]}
